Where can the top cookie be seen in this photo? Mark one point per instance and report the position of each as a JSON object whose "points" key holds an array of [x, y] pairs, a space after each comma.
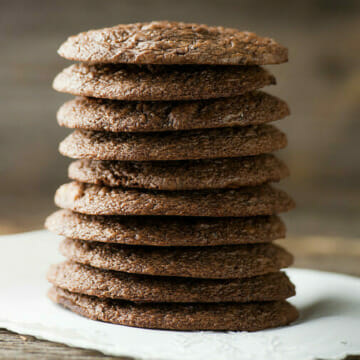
{"points": [[163, 42]]}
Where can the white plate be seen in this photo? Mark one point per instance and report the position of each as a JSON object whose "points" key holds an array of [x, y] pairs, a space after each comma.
{"points": [[328, 328]]}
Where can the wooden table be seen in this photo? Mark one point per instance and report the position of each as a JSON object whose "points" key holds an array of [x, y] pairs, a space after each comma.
{"points": [[331, 254]]}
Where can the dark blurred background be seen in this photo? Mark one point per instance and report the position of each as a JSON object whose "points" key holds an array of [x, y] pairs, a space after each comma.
{"points": [[321, 83]]}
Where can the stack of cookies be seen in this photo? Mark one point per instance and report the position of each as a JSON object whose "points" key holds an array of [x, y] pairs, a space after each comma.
{"points": [[170, 219]]}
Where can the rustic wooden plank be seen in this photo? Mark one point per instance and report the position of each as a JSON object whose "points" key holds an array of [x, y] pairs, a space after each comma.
{"points": [[333, 254], [23, 347]]}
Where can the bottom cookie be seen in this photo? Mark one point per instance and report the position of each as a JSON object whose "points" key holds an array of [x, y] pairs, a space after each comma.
{"points": [[198, 316]]}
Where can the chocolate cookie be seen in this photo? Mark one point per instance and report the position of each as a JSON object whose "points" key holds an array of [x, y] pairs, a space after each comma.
{"points": [[184, 145], [118, 285], [252, 108], [160, 82], [101, 200], [166, 231], [211, 262], [164, 42], [181, 175], [222, 316]]}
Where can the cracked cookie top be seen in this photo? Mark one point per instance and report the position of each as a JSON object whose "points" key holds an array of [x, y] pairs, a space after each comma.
{"points": [[164, 42]]}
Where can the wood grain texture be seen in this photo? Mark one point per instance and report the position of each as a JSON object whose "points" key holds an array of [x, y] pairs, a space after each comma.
{"points": [[24, 347]]}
